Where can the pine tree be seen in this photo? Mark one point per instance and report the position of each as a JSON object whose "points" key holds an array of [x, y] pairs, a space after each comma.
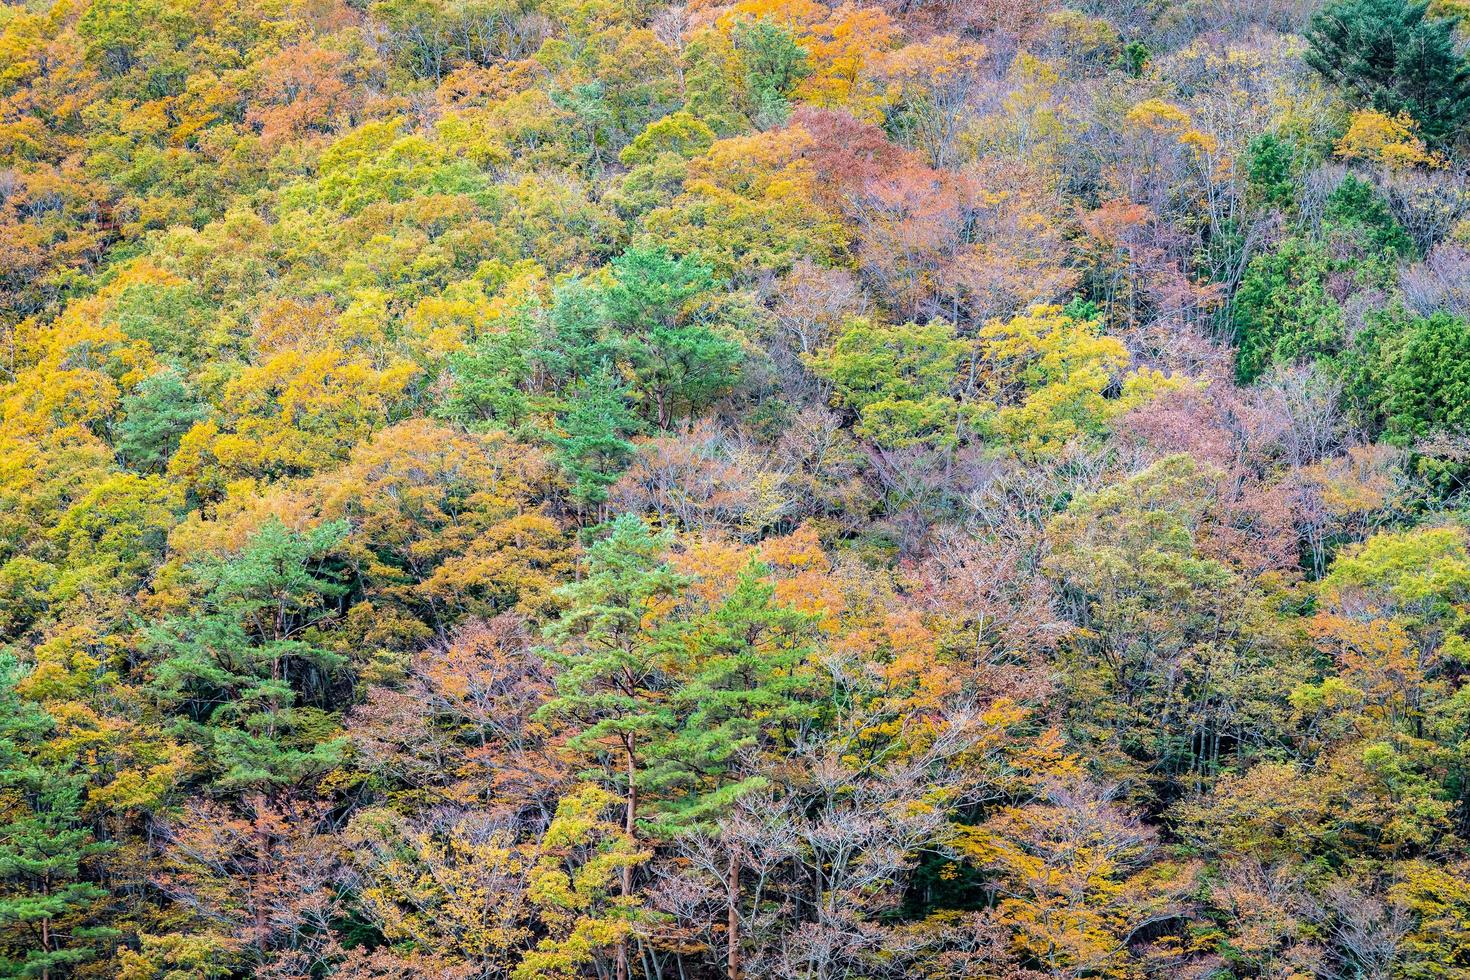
{"points": [[653, 289], [610, 685], [1389, 55], [593, 448], [487, 378], [239, 664], [46, 903], [156, 416], [744, 693], [680, 363], [775, 63]]}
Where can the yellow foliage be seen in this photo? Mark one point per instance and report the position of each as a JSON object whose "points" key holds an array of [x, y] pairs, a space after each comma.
{"points": [[293, 413], [1390, 141], [80, 366], [749, 204], [845, 45], [1157, 114], [1049, 375]]}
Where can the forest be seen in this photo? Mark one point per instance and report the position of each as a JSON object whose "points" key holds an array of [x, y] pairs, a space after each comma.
{"points": [[735, 489]]}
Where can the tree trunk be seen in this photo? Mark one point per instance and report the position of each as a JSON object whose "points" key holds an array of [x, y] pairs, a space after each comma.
{"points": [[261, 923], [732, 925], [630, 826]]}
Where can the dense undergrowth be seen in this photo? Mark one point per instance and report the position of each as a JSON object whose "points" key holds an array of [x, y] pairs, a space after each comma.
{"points": [[601, 488]]}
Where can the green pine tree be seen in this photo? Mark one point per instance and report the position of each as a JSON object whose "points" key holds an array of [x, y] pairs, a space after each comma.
{"points": [[1388, 54], [576, 345], [661, 306], [47, 904], [654, 290], [486, 379], [774, 64], [237, 668], [611, 682], [155, 418], [593, 447], [744, 694]]}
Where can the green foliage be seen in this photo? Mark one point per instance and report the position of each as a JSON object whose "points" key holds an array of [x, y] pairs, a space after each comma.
{"points": [[679, 133], [113, 536], [173, 320], [900, 380], [155, 418], [1391, 55], [1134, 58], [487, 379], [1423, 573], [746, 690], [659, 309], [715, 83], [592, 445], [652, 289], [1271, 169], [1283, 310], [684, 369], [1286, 309], [774, 64], [1427, 384], [610, 663], [578, 346], [1355, 207]]}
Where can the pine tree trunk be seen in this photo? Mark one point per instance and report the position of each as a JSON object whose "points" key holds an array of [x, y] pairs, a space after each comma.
{"points": [[262, 862], [630, 826]]}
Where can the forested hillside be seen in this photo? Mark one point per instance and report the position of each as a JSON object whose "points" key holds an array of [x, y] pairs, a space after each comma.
{"points": [[550, 489]]}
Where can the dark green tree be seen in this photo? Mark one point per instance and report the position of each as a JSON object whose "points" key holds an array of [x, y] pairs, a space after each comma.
{"points": [[244, 670], [653, 289], [662, 303], [592, 446], [1357, 211], [683, 369], [611, 682], [1288, 307], [743, 695], [487, 378], [742, 692], [1427, 388], [774, 64], [577, 343], [47, 905], [1271, 170], [1134, 58], [1283, 310], [155, 418], [1388, 54]]}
